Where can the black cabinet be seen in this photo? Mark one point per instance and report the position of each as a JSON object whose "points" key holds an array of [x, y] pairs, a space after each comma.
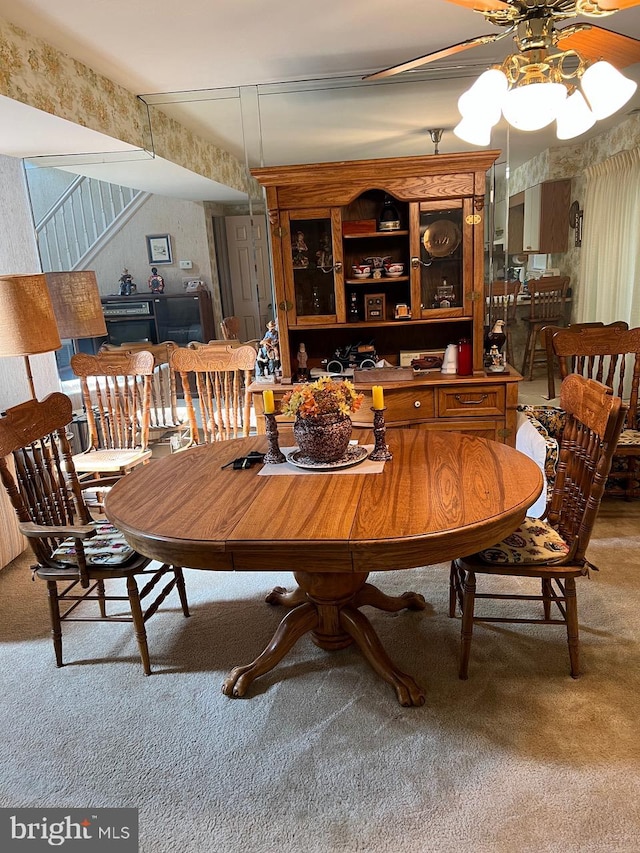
{"points": [[159, 317]]}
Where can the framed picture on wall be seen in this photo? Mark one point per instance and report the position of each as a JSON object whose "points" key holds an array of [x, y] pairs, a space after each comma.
{"points": [[159, 249]]}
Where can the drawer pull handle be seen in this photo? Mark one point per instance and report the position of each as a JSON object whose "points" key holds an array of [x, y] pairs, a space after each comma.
{"points": [[460, 399], [417, 404]]}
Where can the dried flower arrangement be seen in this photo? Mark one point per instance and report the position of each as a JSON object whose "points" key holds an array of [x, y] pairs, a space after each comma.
{"points": [[325, 396]]}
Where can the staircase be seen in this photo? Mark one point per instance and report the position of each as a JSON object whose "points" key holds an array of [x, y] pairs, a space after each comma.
{"points": [[83, 219]]}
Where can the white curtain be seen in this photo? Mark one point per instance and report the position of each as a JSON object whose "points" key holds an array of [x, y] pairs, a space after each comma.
{"points": [[610, 270]]}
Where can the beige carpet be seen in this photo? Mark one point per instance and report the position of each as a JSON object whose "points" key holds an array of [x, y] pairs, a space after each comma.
{"points": [[320, 757]]}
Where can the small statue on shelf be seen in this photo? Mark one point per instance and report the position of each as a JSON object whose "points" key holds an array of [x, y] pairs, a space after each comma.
{"points": [[155, 281], [299, 247], [127, 287], [302, 374], [324, 258], [268, 358]]}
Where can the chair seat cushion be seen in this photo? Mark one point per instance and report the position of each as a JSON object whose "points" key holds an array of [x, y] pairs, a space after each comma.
{"points": [[535, 541], [107, 548], [629, 438]]}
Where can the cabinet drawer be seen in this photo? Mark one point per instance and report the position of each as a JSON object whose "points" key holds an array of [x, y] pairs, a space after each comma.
{"points": [[471, 401], [403, 405]]}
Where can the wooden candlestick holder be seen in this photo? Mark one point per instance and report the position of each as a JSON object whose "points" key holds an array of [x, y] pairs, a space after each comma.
{"points": [[380, 452], [273, 455]]}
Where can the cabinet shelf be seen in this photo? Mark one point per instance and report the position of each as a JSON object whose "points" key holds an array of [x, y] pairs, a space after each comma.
{"points": [[377, 281], [376, 234], [362, 324]]}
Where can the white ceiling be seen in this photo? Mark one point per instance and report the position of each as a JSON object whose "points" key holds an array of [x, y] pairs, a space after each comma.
{"points": [[233, 72]]}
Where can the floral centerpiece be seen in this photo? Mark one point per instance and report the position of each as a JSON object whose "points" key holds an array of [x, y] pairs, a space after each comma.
{"points": [[322, 412]]}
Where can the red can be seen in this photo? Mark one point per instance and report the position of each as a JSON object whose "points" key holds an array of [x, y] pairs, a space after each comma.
{"points": [[465, 357]]}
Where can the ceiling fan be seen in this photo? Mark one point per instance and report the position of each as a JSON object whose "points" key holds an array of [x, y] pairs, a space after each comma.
{"points": [[568, 74], [532, 24]]}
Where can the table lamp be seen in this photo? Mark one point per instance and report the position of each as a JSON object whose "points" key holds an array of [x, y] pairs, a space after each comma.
{"points": [[76, 304], [27, 320]]}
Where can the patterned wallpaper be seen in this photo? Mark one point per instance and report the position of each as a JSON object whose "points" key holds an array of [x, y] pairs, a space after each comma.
{"points": [[37, 74]]}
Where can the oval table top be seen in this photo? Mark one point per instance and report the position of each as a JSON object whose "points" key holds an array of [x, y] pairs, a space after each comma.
{"points": [[443, 495]]}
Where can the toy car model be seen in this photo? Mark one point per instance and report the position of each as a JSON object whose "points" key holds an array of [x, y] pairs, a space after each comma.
{"points": [[354, 355]]}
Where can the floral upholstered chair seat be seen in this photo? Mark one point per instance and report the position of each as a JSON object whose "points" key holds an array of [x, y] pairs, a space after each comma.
{"points": [[535, 541], [107, 548]]}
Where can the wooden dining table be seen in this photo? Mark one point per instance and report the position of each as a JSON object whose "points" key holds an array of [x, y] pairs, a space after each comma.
{"points": [[443, 495]]}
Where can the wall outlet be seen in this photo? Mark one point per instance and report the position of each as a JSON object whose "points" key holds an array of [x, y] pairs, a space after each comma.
{"points": [[185, 265]]}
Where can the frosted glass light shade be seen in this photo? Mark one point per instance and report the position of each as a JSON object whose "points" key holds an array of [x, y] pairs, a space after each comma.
{"points": [[482, 101], [27, 322], [492, 83], [473, 130], [76, 304], [606, 89], [474, 106], [575, 117], [534, 106]]}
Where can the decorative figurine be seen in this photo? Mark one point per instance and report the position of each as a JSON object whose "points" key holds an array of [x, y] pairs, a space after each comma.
{"points": [[497, 335], [127, 287], [268, 358], [302, 374], [324, 258], [299, 247], [155, 281]]}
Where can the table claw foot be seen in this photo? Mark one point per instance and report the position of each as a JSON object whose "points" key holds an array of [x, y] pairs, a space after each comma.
{"points": [[279, 595], [295, 624], [372, 596], [358, 626]]}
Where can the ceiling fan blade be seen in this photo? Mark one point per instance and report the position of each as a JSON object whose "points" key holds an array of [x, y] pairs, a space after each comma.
{"points": [[595, 43], [613, 5], [438, 54], [498, 5]]}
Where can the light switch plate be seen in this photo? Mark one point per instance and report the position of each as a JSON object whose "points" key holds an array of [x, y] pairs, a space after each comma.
{"points": [[185, 265]]}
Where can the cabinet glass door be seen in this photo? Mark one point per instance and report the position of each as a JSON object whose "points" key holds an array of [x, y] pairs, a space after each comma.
{"points": [[441, 259], [311, 267]]}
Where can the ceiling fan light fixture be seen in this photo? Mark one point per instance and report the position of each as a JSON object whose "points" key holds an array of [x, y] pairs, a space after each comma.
{"points": [[473, 130], [575, 117], [492, 83], [606, 89], [533, 106], [486, 110]]}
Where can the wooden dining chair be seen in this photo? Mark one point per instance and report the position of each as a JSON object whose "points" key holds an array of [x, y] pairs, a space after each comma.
{"points": [[220, 408], [547, 334], [501, 301], [610, 354], [230, 328], [80, 559], [546, 308], [116, 393], [552, 549], [166, 418]]}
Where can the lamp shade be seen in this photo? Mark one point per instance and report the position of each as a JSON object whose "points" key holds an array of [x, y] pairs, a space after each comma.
{"points": [[575, 117], [533, 106], [473, 131], [27, 322], [606, 89], [76, 304]]}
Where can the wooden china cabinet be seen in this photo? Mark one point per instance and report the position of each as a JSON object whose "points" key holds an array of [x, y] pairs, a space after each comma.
{"points": [[325, 220]]}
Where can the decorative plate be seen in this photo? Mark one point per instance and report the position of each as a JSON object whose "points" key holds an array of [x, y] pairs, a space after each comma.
{"points": [[441, 238], [354, 454]]}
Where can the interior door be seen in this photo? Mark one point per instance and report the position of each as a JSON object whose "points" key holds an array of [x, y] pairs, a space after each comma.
{"points": [[250, 278]]}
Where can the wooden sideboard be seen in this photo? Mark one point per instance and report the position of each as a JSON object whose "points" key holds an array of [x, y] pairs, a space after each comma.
{"points": [[482, 405]]}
